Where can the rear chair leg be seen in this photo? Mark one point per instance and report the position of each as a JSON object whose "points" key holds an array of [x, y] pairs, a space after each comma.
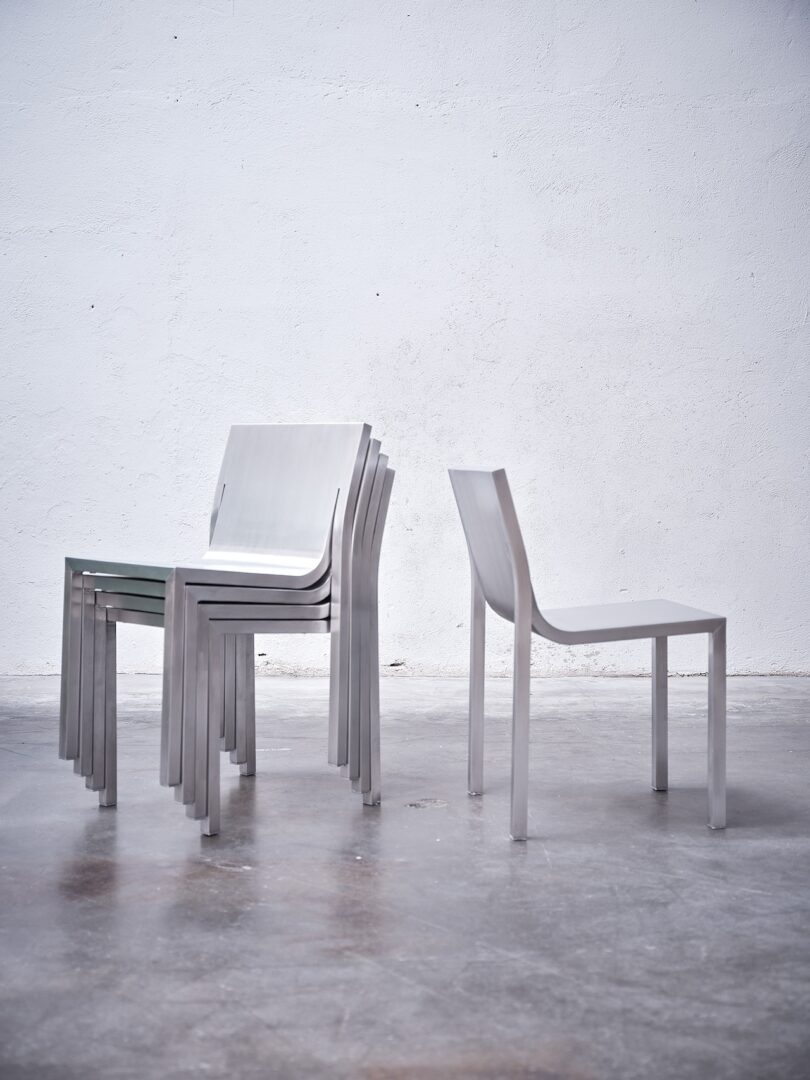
{"points": [[373, 796], [475, 745], [659, 714], [365, 677], [229, 727], [717, 728]]}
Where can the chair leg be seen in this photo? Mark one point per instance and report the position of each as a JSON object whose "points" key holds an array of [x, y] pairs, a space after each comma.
{"points": [[188, 607], [96, 781], [71, 665], [363, 717], [229, 731], [165, 701], [88, 614], [215, 680], [475, 743], [108, 795], [357, 670], [202, 714], [717, 728], [339, 682], [521, 692], [247, 675], [366, 674], [660, 778], [333, 753], [373, 796], [239, 753], [171, 741]]}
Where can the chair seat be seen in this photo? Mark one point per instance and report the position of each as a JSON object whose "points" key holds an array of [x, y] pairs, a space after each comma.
{"points": [[225, 567], [275, 564], [619, 622]]}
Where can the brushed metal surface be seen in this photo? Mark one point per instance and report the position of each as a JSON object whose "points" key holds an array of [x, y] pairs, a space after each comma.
{"points": [[500, 575]]}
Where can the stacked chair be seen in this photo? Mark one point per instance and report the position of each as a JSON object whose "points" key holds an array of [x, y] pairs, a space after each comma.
{"points": [[295, 537]]}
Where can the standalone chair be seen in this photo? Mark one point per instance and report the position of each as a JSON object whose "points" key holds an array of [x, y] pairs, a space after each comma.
{"points": [[500, 578]]}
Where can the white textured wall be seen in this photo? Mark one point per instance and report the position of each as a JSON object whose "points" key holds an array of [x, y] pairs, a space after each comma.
{"points": [[567, 238]]}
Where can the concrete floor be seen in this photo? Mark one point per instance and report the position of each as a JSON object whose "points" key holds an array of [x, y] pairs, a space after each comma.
{"points": [[318, 938]]}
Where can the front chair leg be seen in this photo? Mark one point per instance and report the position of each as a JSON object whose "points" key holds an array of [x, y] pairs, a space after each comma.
{"points": [[717, 728], [71, 665], [84, 763], [475, 751], [521, 691], [659, 714], [108, 795], [96, 781], [248, 673], [215, 679], [202, 714]]}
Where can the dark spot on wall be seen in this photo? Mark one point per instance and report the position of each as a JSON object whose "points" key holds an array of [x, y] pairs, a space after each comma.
{"points": [[397, 663]]}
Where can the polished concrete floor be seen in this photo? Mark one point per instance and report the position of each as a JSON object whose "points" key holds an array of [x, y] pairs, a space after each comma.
{"points": [[318, 938]]}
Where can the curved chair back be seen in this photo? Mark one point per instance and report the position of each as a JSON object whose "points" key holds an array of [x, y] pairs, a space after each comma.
{"points": [[281, 487], [495, 543], [493, 536]]}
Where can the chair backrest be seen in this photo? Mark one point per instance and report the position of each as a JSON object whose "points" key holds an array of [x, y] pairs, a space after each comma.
{"points": [[493, 536], [282, 488]]}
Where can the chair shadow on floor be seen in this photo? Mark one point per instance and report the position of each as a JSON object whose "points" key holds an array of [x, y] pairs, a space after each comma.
{"points": [[749, 810], [91, 871], [563, 811]]}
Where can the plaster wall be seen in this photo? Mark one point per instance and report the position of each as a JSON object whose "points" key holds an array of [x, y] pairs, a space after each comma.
{"points": [[570, 239]]}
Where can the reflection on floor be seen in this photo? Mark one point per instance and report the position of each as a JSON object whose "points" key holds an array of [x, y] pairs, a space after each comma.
{"points": [[318, 938]]}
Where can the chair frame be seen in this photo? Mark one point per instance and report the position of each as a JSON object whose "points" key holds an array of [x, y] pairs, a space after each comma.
{"points": [[100, 593], [506, 542], [214, 621]]}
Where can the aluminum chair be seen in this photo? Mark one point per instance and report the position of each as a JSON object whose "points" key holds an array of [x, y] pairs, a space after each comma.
{"points": [[284, 501], [243, 745], [216, 621], [500, 578], [186, 595], [205, 606]]}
